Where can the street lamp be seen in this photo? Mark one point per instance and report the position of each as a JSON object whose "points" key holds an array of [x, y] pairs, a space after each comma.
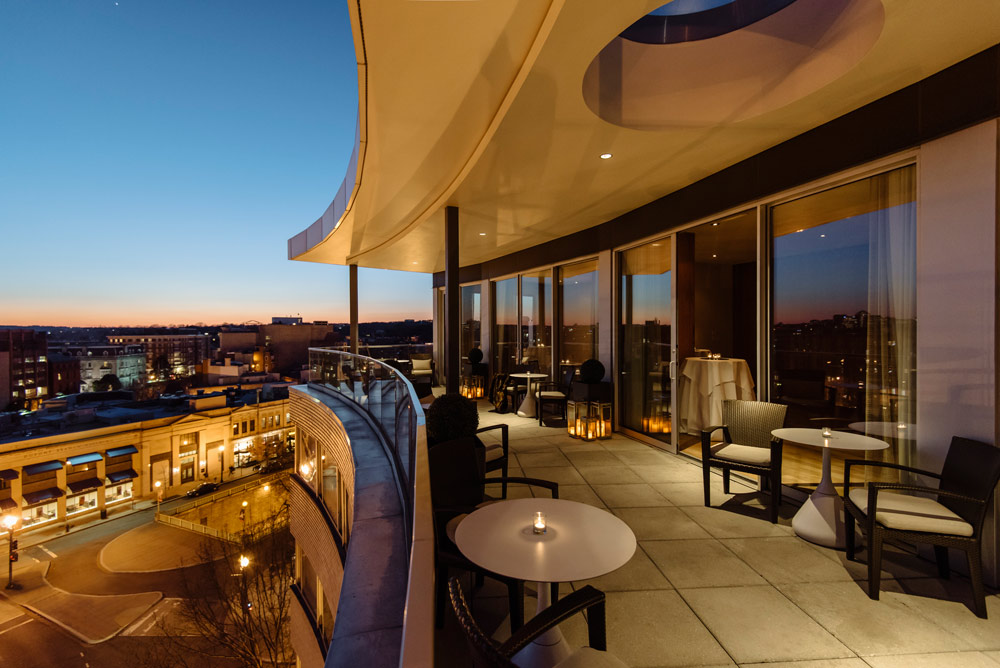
{"points": [[222, 454], [159, 495], [244, 603], [9, 522]]}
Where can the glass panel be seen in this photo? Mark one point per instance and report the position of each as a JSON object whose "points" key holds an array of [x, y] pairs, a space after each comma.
{"points": [[536, 320], [471, 310], [578, 317], [844, 311], [645, 339], [716, 322], [505, 329]]}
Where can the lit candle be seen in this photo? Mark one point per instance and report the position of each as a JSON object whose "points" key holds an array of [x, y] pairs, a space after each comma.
{"points": [[827, 433], [900, 426], [539, 524]]}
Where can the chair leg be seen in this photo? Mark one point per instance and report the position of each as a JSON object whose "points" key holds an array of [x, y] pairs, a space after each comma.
{"points": [[503, 471], [706, 477], [941, 557], [555, 592], [725, 480], [874, 563], [515, 603], [775, 498], [480, 579], [849, 534], [975, 557]]}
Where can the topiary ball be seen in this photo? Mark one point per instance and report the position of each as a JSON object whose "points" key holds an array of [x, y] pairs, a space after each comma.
{"points": [[591, 371], [451, 416], [475, 355]]}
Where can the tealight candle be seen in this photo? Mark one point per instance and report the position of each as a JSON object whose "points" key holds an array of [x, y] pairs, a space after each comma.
{"points": [[827, 433], [539, 524], [900, 426]]}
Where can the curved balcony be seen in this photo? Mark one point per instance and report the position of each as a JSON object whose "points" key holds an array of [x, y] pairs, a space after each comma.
{"points": [[361, 513]]}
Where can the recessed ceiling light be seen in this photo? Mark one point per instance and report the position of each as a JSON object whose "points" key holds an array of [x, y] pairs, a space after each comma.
{"points": [[414, 262], [605, 156], [715, 224], [799, 230], [482, 234], [714, 255], [822, 236]]}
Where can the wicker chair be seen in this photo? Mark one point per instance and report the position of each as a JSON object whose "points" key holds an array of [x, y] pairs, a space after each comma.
{"points": [[747, 446], [954, 519], [554, 393], [487, 654]]}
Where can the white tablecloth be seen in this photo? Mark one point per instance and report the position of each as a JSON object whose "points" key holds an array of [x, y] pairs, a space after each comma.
{"points": [[705, 384]]}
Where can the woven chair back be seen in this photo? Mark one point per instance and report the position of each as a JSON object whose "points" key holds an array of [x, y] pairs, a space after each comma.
{"points": [[484, 653], [971, 468], [751, 422]]}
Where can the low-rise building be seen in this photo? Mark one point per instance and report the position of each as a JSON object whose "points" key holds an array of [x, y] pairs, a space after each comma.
{"points": [[125, 362], [24, 371], [168, 355]]}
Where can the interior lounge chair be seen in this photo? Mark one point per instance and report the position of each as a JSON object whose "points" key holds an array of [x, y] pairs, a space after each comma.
{"points": [[554, 394], [949, 516], [747, 446], [487, 654], [422, 367]]}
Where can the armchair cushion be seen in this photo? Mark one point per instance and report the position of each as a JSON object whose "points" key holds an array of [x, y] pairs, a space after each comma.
{"points": [[550, 394], [745, 454], [904, 512], [494, 451], [588, 657], [421, 365]]}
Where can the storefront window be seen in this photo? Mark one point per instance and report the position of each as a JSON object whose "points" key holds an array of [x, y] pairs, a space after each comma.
{"points": [[81, 503], [844, 305], [43, 512], [578, 317], [120, 492]]}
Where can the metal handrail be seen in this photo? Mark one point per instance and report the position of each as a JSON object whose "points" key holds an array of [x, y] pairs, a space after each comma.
{"points": [[202, 529], [211, 498]]}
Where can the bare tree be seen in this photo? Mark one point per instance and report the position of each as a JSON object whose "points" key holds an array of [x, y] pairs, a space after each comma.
{"points": [[236, 603]]}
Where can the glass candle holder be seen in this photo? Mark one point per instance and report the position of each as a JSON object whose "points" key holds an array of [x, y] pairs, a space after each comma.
{"points": [[827, 433], [538, 526]]}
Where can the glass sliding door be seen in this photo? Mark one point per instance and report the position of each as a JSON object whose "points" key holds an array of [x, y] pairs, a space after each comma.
{"points": [[471, 309], [578, 314], [843, 330], [644, 341], [536, 320], [505, 328], [716, 323]]}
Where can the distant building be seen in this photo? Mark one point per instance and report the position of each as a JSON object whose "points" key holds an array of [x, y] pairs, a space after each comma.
{"points": [[24, 369], [126, 362], [169, 355], [286, 320], [282, 348], [64, 373]]}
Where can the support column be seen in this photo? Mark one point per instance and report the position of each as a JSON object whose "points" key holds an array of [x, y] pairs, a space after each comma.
{"points": [[354, 307], [452, 332]]}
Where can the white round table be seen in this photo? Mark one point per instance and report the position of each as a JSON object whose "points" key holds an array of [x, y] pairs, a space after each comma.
{"points": [[820, 520], [527, 407], [580, 542]]}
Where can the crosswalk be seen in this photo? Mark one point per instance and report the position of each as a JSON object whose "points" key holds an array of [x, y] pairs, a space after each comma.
{"points": [[166, 617]]}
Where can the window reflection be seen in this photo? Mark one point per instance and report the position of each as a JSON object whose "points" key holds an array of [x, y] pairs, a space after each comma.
{"points": [[578, 317]]}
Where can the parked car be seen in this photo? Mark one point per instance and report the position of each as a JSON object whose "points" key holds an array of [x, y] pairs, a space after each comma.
{"points": [[204, 488], [272, 466]]}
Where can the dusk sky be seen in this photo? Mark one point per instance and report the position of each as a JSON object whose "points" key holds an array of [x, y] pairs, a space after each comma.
{"points": [[156, 157]]}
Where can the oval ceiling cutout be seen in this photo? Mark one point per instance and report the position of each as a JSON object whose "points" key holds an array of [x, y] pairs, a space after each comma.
{"points": [[691, 20], [734, 76]]}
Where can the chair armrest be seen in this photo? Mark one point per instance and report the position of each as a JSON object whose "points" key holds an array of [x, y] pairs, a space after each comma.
{"points": [[504, 431], [848, 463], [875, 487], [536, 482], [706, 438], [578, 601]]}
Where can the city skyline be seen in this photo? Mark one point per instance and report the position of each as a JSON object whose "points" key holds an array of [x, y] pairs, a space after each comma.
{"points": [[158, 157]]}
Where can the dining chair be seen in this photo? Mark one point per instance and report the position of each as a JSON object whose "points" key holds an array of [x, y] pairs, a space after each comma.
{"points": [[554, 393], [953, 518], [488, 654], [458, 487], [746, 446]]}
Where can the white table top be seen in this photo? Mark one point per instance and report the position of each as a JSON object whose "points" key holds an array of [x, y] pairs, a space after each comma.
{"points": [[838, 440], [529, 376], [581, 541], [887, 429]]}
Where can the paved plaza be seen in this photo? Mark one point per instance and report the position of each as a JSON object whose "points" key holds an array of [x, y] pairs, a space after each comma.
{"points": [[722, 586]]}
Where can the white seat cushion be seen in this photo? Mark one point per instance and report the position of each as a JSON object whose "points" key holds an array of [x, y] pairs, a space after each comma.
{"points": [[588, 657], [912, 513], [744, 454], [550, 394], [421, 372], [494, 451], [421, 365]]}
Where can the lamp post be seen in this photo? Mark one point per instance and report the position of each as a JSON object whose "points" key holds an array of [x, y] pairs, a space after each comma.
{"points": [[222, 468], [9, 522], [159, 494], [244, 604]]}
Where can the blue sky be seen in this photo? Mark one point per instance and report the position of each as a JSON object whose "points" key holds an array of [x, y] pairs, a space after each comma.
{"points": [[156, 156]]}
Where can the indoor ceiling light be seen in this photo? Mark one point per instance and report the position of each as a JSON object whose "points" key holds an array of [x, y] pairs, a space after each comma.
{"points": [[482, 234], [605, 156]]}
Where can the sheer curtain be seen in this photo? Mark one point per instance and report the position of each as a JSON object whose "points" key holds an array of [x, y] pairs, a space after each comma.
{"points": [[890, 381]]}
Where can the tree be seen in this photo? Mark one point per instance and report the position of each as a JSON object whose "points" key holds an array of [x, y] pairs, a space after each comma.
{"points": [[161, 367], [236, 603], [108, 382]]}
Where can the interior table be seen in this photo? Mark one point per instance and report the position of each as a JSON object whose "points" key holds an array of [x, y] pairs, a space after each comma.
{"points": [[527, 407], [705, 384], [900, 430], [580, 542], [820, 520]]}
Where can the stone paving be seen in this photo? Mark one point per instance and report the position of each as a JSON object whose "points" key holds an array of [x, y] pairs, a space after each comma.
{"points": [[722, 586]]}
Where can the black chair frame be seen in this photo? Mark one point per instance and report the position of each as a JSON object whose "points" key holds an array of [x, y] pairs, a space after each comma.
{"points": [[771, 473]]}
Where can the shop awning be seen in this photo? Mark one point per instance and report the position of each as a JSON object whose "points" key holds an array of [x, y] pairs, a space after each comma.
{"points": [[7, 504], [81, 486], [35, 469], [84, 459], [8, 474], [32, 498], [118, 476], [118, 452]]}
